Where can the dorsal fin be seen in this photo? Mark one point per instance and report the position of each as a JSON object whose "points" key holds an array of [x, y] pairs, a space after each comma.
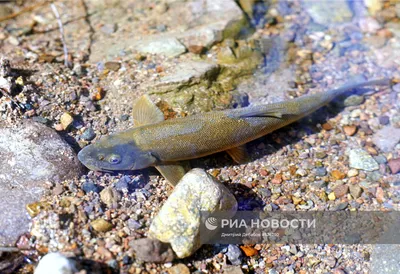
{"points": [[145, 112], [239, 154]]}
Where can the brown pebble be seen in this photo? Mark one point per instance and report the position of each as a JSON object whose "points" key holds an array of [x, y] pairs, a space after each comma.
{"points": [[249, 251], [341, 190], [394, 165], [379, 194], [99, 94], [196, 49], [101, 225], [355, 191], [277, 179], [159, 69], [179, 269], [264, 172], [114, 66], [350, 130], [338, 175], [152, 250], [327, 126]]}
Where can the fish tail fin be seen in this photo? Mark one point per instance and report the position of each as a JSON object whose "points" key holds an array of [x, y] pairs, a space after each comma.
{"points": [[358, 84]]}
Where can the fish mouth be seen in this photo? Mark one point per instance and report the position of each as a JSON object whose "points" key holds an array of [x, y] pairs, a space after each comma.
{"points": [[85, 159]]}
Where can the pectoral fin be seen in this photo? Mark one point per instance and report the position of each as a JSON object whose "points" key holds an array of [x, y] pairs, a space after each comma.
{"points": [[146, 112], [239, 154], [172, 172]]}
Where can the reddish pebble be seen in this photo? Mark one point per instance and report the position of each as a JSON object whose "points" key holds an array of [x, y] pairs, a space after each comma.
{"points": [[341, 190], [394, 165], [196, 49], [327, 126], [277, 179], [249, 251], [264, 172], [350, 130]]}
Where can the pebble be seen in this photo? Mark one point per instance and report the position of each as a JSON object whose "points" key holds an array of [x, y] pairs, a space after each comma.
{"points": [[234, 254], [66, 120], [249, 251], [320, 154], [88, 134], [353, 100], [90, 186], [179, 220], [386, 138], [320, 171], [114, 66], [338, 175], [379, 194], [152, 250], [355, 191], [341, 190], [352, 172], [101, 225], [55, 263], [394, 165], [350, 130], [110, 197], [360, 159], [179, 269], [331, 196], [384, 120]]}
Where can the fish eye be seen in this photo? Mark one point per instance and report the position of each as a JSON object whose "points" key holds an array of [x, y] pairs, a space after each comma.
{"points": [[114, 159]]}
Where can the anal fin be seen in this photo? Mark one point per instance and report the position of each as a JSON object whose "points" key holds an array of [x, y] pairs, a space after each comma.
{"points": [[171, 172], [239, 154]]}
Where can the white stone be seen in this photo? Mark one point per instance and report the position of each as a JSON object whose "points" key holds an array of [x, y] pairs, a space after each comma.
{"points": [[55, 263]]}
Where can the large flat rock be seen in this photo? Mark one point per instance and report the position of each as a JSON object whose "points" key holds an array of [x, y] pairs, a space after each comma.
{"points": [[31, 154]]}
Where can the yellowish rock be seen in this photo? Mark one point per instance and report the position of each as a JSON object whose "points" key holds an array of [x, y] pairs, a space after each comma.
{"points": [[101, 225], [331, 196], [180, 219], [296, 200], [352, 173], [66, 120]]}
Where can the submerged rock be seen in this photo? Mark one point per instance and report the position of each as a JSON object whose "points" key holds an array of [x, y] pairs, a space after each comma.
{"points": [[179, 220], [328, 12], [56, 263], [386, 138], [31, 154], [360, 159]]}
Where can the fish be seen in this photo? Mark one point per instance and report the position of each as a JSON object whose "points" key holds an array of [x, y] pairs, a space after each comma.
{"points": [[166, 144]]}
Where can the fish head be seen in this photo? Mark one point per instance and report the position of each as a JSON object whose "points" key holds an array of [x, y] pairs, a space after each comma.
{"points": [[111, 154]]}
